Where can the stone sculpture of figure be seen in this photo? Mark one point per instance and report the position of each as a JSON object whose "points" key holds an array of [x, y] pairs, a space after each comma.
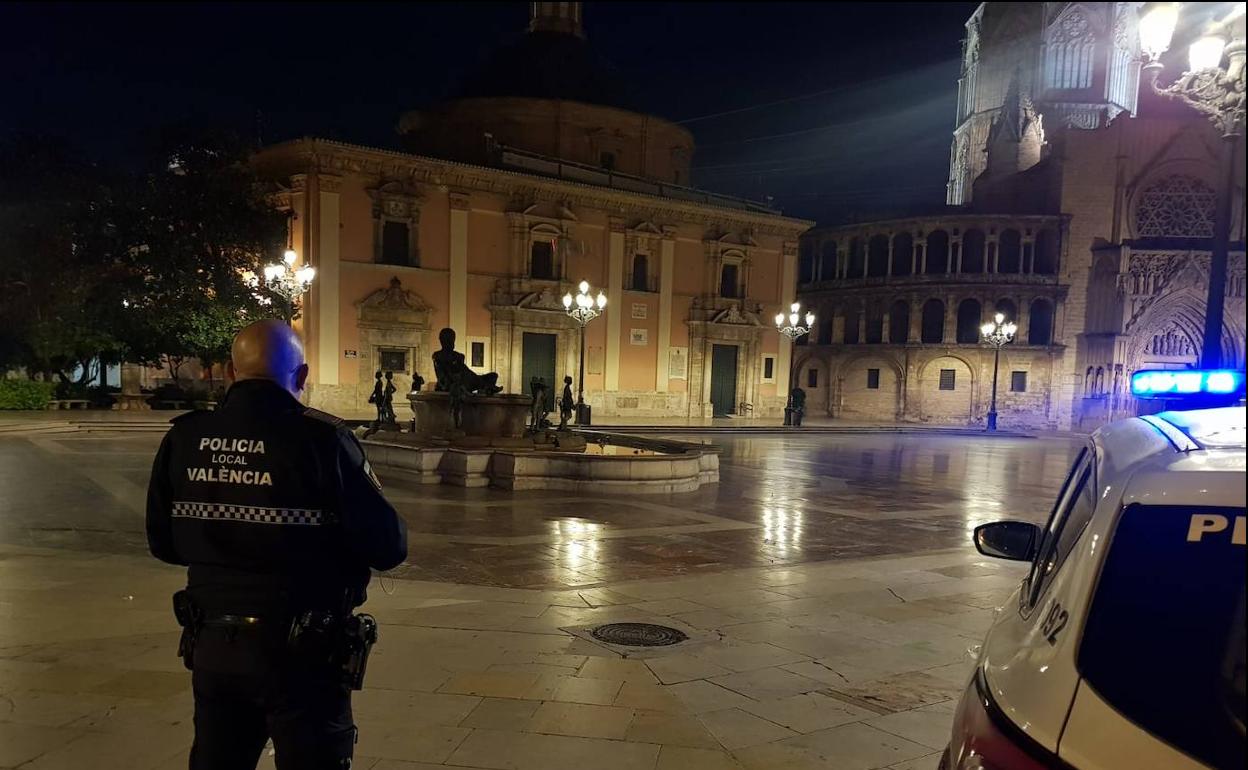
{"points": [[389, 417], [799, 405], [537, 386], [378, 398], [418, 382], [450, 369], [566, 404]]}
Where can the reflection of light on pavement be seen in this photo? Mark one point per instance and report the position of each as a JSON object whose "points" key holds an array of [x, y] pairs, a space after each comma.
{"points": [[576, 540], [782, 529]]}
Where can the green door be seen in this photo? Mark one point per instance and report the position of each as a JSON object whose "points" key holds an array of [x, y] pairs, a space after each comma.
{"points": [[539, 361], [723, 379]]}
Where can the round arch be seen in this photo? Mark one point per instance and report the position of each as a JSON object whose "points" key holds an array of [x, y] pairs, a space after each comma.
{"points": [[868, 385], [955, 405]]}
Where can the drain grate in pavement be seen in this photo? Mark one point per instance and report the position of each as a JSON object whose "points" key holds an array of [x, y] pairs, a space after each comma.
{"points": [[638, 635]]}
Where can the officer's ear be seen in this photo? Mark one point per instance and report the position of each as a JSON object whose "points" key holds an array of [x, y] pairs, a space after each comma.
{"points": [[301, 377]]}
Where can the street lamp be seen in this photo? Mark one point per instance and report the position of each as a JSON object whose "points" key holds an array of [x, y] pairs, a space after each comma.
{"points": [[284, 279], [583, 308], [1218, 94], [792, 330], [997, 334]]}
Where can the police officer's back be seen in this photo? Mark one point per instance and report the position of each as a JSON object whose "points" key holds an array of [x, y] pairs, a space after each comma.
{"points": [[274, 510]]}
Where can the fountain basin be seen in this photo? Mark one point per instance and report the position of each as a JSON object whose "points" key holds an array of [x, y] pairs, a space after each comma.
{"points": [[662, 467]]}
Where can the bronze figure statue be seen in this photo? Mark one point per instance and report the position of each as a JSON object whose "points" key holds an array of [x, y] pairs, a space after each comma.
{"points": [[378, 399], [450, 370], [388, 417], [566, 404], [539, 409]]}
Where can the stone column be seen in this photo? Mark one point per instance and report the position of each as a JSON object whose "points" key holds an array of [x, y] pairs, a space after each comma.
{"points": [[951, 320], [920, 249], [955, 255], [838, 325], [788, 272], [916, 321], [667, 268], [615, 293], [457, 301], [862, 325], [1024, 320], [326, 261], [990, 264], [1026, 264], [889, 271], [884, 331]]}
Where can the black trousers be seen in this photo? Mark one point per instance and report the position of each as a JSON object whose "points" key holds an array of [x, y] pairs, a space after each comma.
{"points": [[248, 689]]}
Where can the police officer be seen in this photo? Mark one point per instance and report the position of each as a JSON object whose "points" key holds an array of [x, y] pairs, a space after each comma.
{"points": [[274, 509]]}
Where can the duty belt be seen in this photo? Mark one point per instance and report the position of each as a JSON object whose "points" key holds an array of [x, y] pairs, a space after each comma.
{"points": [[232, 620]]}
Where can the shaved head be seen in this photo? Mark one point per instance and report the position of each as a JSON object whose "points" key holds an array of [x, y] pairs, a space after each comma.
{"points": [[269, 350]]}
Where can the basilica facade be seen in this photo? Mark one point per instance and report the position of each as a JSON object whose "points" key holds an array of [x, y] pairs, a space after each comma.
{"points": [[1079, 207], [503, 200]]}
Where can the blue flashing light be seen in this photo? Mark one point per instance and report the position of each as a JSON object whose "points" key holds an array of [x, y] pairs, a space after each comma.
{"points": [[1187, 383]]}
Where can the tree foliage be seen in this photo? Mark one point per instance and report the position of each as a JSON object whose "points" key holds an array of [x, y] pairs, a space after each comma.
{"points": [[146, 266]]}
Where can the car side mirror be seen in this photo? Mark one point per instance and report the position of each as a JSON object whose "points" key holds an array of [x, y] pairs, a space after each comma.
{"points": [[1014, 540]]}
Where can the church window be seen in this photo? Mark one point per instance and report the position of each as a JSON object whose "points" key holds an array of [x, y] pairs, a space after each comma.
{"points": [[477, 357], [899, 322], [1040, 323], [812, 378], [827, 262], [873, 379], [1069, 53], [969, 317], [948, 379], [933, 322], [1176, 206], [769, 368], [542, 264], [1018, 382], [393, 360], [937, 252], [729, 281], [641, 273], [395, 249]]}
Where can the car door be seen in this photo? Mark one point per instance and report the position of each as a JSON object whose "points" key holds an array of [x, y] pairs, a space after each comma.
{"points": [[1028, 655]]}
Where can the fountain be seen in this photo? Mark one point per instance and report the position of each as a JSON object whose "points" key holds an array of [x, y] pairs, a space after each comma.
{"points": [[466, 433]]}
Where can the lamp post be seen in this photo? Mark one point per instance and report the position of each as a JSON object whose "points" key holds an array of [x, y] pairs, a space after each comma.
{"points": [[283, 279], [1218, 94], [583, 308], [792, 330], [997, 334]]}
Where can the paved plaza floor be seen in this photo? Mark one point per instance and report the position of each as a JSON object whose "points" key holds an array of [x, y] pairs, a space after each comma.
{"points": [[827, 585]]}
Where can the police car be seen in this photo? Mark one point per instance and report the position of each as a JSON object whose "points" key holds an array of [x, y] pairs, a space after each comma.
{"points": [[1124, 645]]}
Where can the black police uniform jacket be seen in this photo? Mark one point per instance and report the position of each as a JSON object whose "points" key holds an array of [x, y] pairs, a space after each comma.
{"points": [[271, 505]]}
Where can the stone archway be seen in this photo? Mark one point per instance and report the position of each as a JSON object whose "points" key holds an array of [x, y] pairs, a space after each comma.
{"points": [[945, 399], [392, 322], [869, 387]]}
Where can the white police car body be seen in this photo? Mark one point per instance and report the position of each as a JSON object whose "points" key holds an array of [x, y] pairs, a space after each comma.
{"points": [[1124, 645]]}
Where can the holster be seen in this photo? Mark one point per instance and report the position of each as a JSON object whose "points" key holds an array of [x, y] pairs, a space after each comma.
{"points": [[190, 617], [327, 639]]}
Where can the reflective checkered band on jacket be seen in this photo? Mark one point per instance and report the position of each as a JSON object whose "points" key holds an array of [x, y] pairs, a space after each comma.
{"points": [[249, 513]]}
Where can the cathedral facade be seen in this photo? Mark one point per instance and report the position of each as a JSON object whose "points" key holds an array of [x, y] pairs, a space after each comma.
{"points": [[505, 199], [1080, 208]]}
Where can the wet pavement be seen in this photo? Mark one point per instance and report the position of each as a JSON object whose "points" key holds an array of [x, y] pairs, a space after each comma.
{"points": [[780, 501], [827, 586]]}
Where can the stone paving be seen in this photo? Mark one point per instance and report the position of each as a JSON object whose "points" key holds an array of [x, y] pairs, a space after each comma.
{"points": [[827, 587]]}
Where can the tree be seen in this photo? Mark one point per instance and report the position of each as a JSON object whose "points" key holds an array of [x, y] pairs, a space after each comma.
{"points": [[198, 221], [54, 244]]}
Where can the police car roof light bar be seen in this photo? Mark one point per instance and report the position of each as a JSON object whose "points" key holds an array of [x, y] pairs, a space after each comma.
{"points": [[1193, 384]]}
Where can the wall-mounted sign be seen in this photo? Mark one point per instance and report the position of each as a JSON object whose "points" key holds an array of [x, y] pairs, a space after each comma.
{"points": [[350, 354], [638, 336], [678, 363], [640, 309]]}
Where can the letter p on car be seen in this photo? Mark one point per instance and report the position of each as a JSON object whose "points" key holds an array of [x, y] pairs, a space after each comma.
{"points": [[1203, 523]]}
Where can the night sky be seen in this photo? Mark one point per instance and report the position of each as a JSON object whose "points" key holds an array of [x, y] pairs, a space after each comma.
{"points": [[832, 109]]}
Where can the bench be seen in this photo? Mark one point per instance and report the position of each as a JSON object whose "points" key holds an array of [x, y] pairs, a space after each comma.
{"points": [[68, 403]]}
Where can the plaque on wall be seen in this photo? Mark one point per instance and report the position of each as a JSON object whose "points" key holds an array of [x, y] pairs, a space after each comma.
{"points": [[640, 309], [593, 360], [392, 360], [677, 363], [350, 354], [638, 336]]}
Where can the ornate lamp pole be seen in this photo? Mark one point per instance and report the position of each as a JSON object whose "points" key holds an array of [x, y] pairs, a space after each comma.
{"points": [[1218, 94], [583, 308], [283, 279], [793, 331], [997, 334]]}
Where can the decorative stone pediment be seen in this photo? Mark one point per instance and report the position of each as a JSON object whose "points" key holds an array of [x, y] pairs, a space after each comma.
{"points": [[739, 238], [394, 305], [735, 316], [542, 300], [549, 210], [397, 200]]}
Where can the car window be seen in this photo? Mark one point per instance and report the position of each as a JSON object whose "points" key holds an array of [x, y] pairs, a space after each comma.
{"points": [[1164, 639], [1070, 517]]}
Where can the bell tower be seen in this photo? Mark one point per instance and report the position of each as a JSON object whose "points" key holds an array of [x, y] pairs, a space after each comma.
{"points": [[556, 17]]}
